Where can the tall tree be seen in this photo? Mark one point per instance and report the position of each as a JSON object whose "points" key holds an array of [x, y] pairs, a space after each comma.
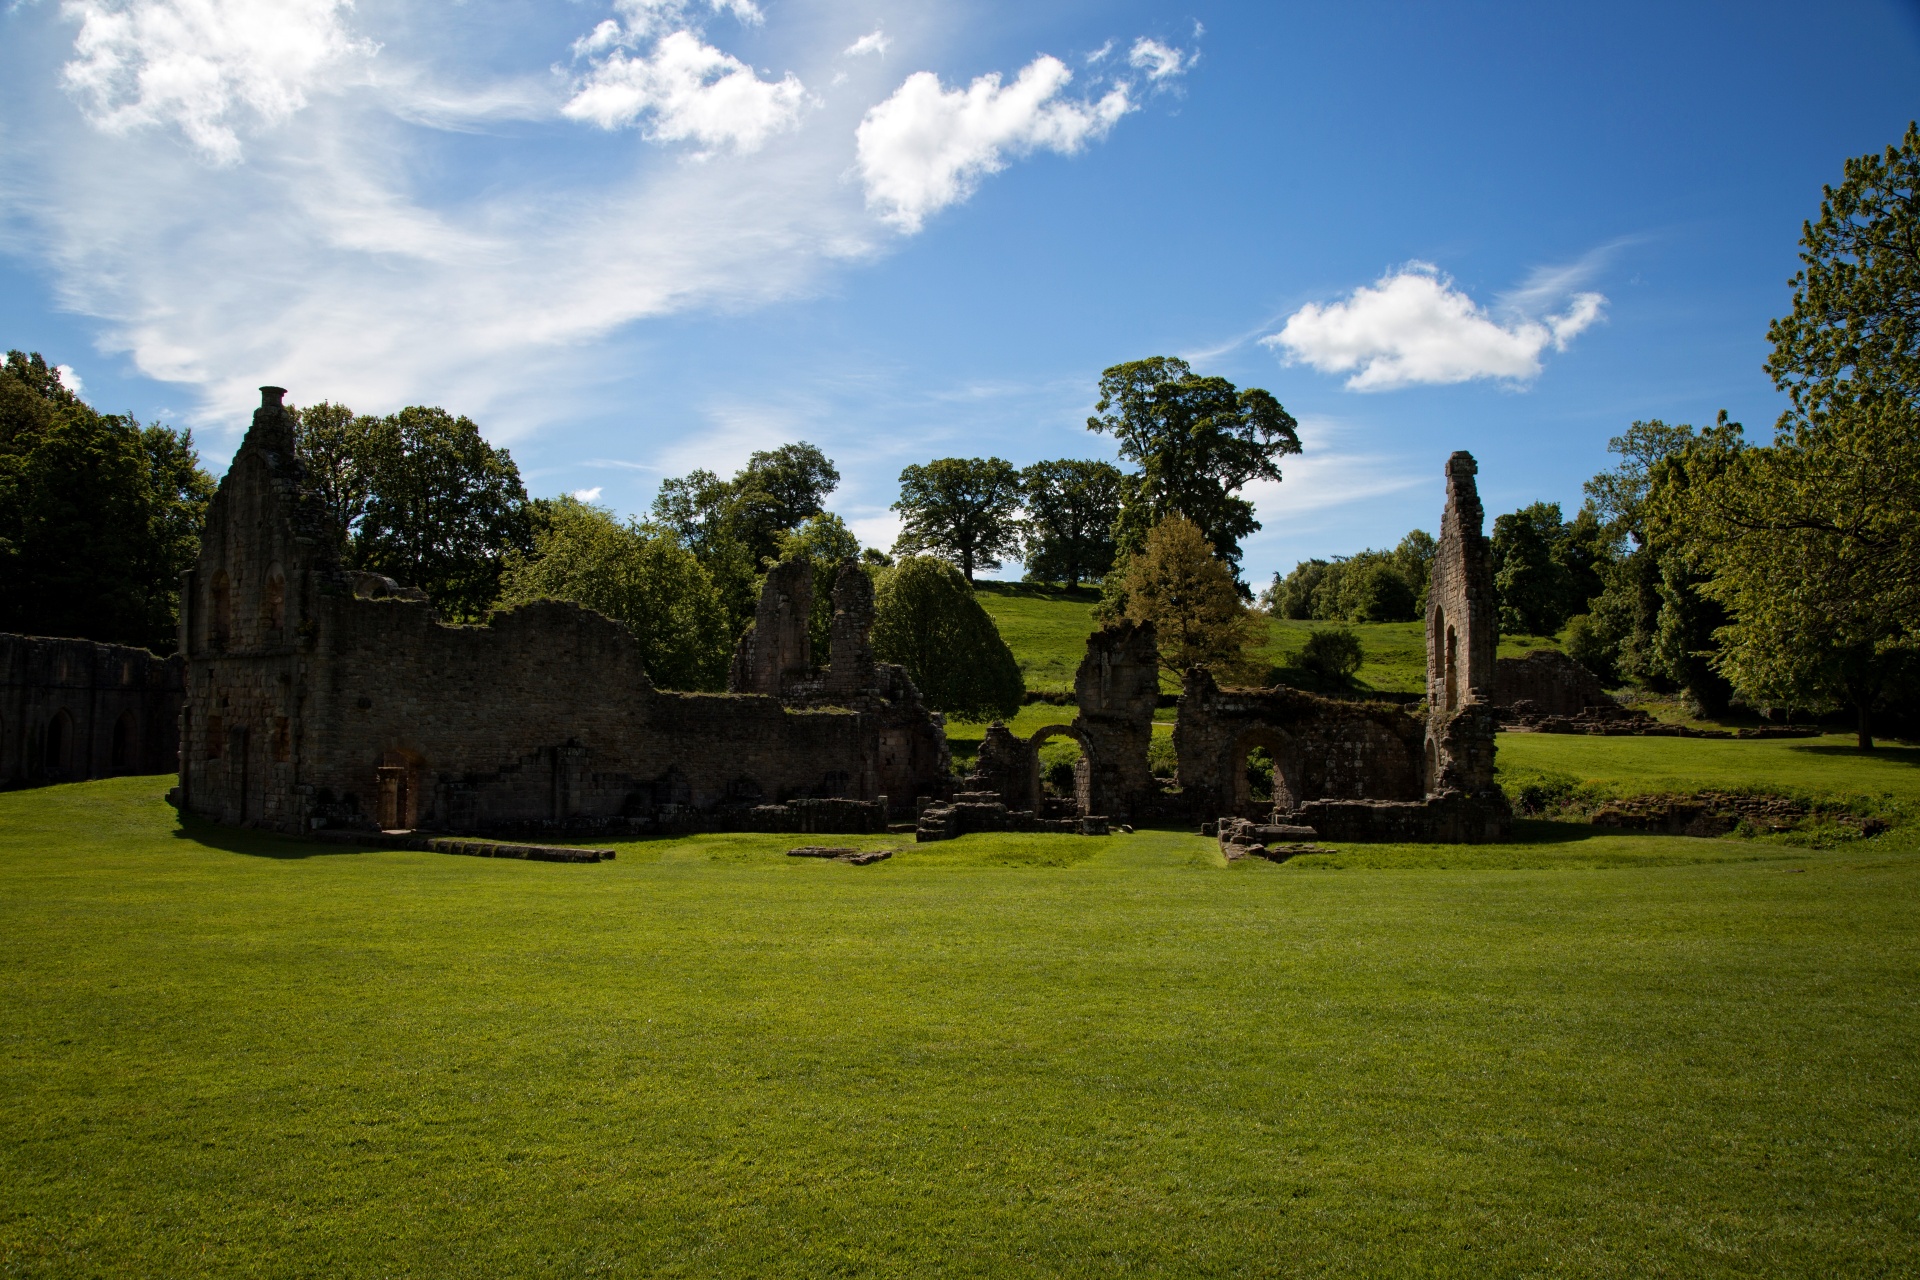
{"points": [[445, 509], [1854, 332], [966, 510], [1815, 553], [99, 516], [336, 445], [1197, 442], [1071, 508], [734, 527], [1188, 593], [635, 574], [927, 619]]}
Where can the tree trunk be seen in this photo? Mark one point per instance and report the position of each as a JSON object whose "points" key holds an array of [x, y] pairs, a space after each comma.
{"points": [[1866, 725], [966, 564]]}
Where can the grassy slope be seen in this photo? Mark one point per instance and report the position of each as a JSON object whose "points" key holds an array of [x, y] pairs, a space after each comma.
{"points": [[1006, 1056], [1047, 630], [1826, 767]]}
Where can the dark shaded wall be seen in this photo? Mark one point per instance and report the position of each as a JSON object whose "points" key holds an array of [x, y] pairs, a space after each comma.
{"points": [[74, 709]]}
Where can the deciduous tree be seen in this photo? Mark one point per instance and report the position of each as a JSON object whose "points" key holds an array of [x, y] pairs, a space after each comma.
{"points": [[99, 516], [1071, 508], [635, 574], [965, 510], [1180, 585], [1197, 442]]}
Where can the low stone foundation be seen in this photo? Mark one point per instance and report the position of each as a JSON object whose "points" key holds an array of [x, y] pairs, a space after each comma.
{"points": [[1451, 817]]}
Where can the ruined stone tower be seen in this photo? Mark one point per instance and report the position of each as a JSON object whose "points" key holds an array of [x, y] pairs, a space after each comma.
{"points": [[1462, 635]]}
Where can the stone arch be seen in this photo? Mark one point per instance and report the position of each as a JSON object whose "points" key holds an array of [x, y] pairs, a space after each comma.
{"points": [[402, 777], [1082, 774], [126, 743], [273, 601], [1452, 661], [219, 610], [1286, 768], [58, 757]]}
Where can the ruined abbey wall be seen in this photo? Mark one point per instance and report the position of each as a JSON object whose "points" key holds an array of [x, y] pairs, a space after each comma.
{"points": [[317, 697], [74, 709]]}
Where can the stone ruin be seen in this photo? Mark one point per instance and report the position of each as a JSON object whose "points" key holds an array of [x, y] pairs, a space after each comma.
{"points": [[74, 709], [318, 698], [1343, 770]]}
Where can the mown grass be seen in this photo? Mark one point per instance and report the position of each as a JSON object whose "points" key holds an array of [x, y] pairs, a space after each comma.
{"points": [[1830, 767], [1047, 628], [231, 1054]]}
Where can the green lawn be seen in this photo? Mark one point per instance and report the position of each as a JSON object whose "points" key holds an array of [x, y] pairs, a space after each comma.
{"points": [[1047, 628], [1830, 767], [1584, 1055]]}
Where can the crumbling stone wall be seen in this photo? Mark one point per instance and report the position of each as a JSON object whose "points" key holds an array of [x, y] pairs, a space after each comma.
{"points": [[1549, 682], [1371, 771], [1321, 748], [321, 698], [74, 709]]}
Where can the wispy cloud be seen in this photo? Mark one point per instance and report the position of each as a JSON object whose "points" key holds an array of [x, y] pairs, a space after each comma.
{"points": [[872, 42]]}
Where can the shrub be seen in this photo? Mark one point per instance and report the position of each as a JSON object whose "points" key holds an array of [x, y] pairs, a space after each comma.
{"points": [[1334, 655], [927, 620]]}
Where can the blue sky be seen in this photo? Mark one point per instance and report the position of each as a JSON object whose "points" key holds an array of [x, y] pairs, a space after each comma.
{"points": [[634, 238]]}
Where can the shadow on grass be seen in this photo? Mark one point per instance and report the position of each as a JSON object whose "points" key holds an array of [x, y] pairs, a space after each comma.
{"points": [[256, 844]]}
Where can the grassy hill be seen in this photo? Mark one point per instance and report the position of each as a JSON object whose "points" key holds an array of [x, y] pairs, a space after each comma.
{"points": [[1046, 627], [1606, 1055]]}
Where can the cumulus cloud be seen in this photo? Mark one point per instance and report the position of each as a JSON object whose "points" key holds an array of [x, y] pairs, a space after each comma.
{"points": [[588, 495], [688, 90], [1159, 61], [927, 147], [204, 66], [70, 379], [872, 42], [1413, 326]]}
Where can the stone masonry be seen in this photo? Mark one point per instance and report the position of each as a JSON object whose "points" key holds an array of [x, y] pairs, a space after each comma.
{"points": [[320, 698], [74, 709], [1370, 770]]}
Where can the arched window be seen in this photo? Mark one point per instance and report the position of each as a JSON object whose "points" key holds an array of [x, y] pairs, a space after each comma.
{"points": [[1453, 670], [273, 601], [126, 743], [59, 743], [219, 610]]}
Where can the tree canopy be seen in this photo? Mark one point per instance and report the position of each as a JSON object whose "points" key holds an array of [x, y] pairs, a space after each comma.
{"points": [[420, 496], [965, 510], [99, 515], [1197, 441], [1854, 332], [735, 527], [1072, 505], [927, 620], [1371, 586], [635, 574], [1177, 583]]}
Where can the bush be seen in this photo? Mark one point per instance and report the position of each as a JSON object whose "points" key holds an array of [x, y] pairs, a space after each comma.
{"points": [[1333, 655], [1589, 646], [927, 620]]}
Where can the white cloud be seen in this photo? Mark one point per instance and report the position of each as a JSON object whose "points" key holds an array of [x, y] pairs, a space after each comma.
{"points": [[588, 495], [689, 90], [872, 42], [927, 147], [204, 66], [1412, 326], [1159, 61], [1099, 54], [70, 380]]}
